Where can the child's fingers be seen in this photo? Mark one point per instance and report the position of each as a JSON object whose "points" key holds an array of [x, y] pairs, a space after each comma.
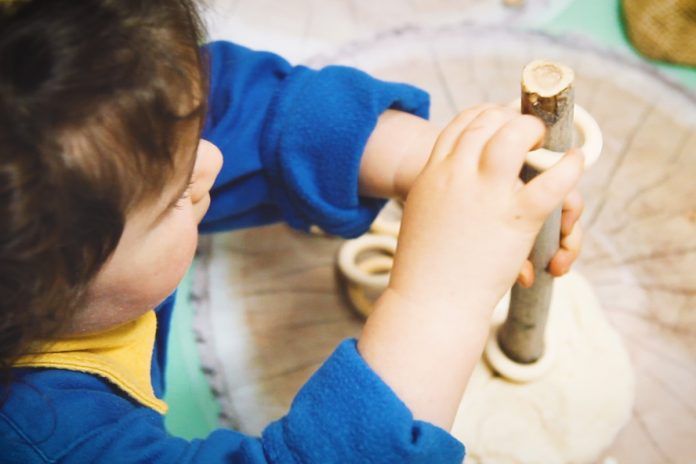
{"points": [[567, 254], [476, 135], [561, 262], [505, 152], [546, 191], [445, 142], [572, 209], [526, 276]]}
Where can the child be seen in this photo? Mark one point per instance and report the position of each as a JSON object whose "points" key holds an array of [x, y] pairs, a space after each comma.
{"points": [[114, 125]]}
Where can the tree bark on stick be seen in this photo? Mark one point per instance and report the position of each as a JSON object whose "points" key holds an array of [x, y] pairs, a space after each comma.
{"points": [[547, 92]]}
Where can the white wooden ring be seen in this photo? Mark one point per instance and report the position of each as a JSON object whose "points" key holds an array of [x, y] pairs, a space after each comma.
{"points": [[351, 249], [518, 372], [385, 222], [542, 159], [356, 293], [385, 227]]}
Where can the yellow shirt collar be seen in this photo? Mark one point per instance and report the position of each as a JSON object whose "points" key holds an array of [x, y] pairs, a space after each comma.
{"points": [[122, 355]]}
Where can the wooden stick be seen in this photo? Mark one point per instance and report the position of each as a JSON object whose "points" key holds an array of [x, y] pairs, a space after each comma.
{"points": [[547, 92]]}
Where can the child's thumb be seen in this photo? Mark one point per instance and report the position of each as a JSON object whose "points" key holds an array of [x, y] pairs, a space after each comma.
{"points": [[547, 190]]}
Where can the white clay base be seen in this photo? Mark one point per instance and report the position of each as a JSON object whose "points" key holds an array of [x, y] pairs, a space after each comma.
{"points": [[569, 413]]}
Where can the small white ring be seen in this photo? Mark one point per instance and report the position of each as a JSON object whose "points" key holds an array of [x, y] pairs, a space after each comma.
{"points": [[518, 372], [356, 293], [542, 159], [385, 227], [351, 249]]}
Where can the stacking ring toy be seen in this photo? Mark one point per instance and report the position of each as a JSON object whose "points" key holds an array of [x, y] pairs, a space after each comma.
{"points": [[517, 372], [357, 294], [388, 224], [590, 134], [348, 259]]}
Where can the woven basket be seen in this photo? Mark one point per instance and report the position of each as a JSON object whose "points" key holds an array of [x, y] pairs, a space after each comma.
{"points": [[663, 29]]}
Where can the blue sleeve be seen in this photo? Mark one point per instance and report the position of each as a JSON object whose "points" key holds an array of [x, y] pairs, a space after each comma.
{"points": [[292, 139], [343, 414]]}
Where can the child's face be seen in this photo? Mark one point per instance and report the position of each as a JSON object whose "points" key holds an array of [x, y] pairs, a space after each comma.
{"points": [[156, 248]]}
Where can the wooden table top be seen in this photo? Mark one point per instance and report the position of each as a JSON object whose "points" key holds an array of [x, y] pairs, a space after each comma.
{"points": [[269, 308]]}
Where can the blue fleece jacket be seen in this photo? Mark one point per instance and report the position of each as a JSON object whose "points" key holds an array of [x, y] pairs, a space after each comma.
{"points": [[292, 139]]}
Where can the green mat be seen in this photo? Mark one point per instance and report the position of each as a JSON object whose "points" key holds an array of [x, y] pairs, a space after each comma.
{"points": [[193, 411], [601, 21]]}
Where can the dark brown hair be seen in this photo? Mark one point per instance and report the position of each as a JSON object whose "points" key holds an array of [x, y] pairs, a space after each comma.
{"points": [[92, 96]]}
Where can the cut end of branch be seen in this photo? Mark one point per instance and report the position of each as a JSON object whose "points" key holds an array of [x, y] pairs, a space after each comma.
{"points": [[546, 78]]}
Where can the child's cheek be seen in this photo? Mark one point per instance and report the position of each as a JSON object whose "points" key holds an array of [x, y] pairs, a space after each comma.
{"points": [[145, 268], [173, 247], [159, 261]]}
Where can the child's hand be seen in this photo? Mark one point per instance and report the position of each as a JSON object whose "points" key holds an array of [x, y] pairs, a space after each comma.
{"points": [[570, 242], [397, 152], [469, 222], [468, 226]]}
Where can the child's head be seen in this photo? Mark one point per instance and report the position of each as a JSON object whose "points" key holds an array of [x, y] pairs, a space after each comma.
{"points": [[101, 106]]}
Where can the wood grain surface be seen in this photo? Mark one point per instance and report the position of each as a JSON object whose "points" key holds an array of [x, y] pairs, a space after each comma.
{"points": [[269, 308]]}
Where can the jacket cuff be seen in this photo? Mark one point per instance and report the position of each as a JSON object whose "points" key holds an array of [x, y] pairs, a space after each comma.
{"points": [[346, 413], [314, 139]]}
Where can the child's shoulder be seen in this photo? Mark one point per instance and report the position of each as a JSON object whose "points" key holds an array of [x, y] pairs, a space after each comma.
{"points": [[46, 411]]}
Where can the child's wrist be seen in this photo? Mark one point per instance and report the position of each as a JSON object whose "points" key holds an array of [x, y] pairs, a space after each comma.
{"points": [[408, 339], [415, 155], [470, 307]]}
